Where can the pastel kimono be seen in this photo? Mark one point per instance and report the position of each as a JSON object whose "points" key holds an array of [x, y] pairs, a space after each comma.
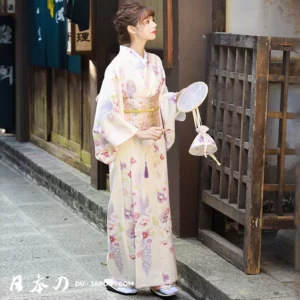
{"points": [[134, 97]]}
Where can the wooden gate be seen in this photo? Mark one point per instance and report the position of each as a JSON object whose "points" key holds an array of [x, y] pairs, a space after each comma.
{"points": [[60, 114], [237, 112]]}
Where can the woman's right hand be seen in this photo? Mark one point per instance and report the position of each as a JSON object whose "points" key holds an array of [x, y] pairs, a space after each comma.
{"points": [[153, 133]]}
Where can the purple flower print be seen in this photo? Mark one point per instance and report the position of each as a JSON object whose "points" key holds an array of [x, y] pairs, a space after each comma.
{"points": [[123, 166], [161, 197], [201, 139], [131, 233], [155, 70], [165, 277], [131, 88], [173, 98], [128, 214], [156, 148], [97, 129], [164, 216]]}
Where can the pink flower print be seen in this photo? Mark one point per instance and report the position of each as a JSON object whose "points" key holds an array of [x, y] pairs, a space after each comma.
{"points": [[161, 197], [140, 254], [129, 174], [144, 221], [105, 154], [165, 277], [132, 256], [112, 238], [131, 233], [163, 81], [156, 148], [123, 166], [136, 215], [171, 249], [145, 234], [162, 157], [116, 245], [149, 241], [132, 161], [111, 227], [165, 189], [110, 117], [164, 242], [111, 255], [128, 214]]}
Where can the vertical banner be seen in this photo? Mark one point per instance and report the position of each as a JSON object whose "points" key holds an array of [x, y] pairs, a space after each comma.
{"points": [[37, 28], [7, 68], [56, 42]]}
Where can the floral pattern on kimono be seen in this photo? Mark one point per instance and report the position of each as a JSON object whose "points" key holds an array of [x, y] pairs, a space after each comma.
{"points": [[139, 225]]}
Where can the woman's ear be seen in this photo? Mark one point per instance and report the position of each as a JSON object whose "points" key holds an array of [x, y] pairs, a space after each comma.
{"points": [[131, 29]]}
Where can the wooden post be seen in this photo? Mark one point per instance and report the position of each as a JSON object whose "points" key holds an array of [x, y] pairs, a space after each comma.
{"points": [[219, 15], [104, 37], [256, 157], [297, 220], [22, 73]]}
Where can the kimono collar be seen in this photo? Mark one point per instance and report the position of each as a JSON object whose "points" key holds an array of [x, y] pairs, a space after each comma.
{"points": [[138, 61]]}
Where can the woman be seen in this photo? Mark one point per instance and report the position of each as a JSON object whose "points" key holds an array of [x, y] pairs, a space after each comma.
{"points": [[133, 129]]}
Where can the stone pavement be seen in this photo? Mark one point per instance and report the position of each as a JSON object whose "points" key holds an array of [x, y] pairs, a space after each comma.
{"points": [[40, 236], [202, 273]]}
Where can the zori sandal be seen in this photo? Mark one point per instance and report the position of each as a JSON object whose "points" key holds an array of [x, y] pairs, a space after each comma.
{"points": [[165, 291], [119, 287]]}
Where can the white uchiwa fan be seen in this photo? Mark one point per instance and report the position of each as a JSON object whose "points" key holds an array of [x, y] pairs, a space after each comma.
{"points": [[189, 101]]}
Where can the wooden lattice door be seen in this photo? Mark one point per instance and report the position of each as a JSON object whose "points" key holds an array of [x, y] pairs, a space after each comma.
{"points": [[237, 113]]}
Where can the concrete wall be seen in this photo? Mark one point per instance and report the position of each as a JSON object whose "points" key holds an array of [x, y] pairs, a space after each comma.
{"points": [[272, 18]]}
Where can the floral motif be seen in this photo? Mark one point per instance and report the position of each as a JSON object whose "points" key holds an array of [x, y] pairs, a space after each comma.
{"points": [[165, 277], [128, 214], [131, 233], [161, 197]]}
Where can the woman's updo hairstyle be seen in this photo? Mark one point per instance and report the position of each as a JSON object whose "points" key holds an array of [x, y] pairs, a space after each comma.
{"points": [[129, 14]]}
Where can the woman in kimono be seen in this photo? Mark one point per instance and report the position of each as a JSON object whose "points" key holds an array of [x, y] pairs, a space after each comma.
{"points": [[133, 129]]}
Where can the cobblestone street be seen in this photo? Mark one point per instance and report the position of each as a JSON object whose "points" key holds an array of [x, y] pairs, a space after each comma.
{"points": [[45, 246]]}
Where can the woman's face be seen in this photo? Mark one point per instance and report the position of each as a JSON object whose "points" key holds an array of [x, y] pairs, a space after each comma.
{"points": [[146, 30]]}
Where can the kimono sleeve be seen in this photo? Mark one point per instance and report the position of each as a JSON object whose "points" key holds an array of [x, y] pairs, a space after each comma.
{"points": [[110, 129], [168, 107]]}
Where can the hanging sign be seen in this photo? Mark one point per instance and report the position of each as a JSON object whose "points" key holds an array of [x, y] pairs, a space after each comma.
{"points": [[79, 42], [7, 7]]}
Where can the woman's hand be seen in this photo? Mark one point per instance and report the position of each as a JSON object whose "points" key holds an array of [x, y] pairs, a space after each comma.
{"points": [[153, 133]]}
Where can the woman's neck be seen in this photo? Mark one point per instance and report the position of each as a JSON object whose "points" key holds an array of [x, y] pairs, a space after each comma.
{"points": [[138, 47]]}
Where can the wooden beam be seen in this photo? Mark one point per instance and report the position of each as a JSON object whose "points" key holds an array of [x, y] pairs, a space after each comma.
{"points": [[297, 220], [219, 15], [234, 40], [271, 221], [168, 34], [256, 157], [222, 247], [224, 207], [105, 37], [22, 72]]}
